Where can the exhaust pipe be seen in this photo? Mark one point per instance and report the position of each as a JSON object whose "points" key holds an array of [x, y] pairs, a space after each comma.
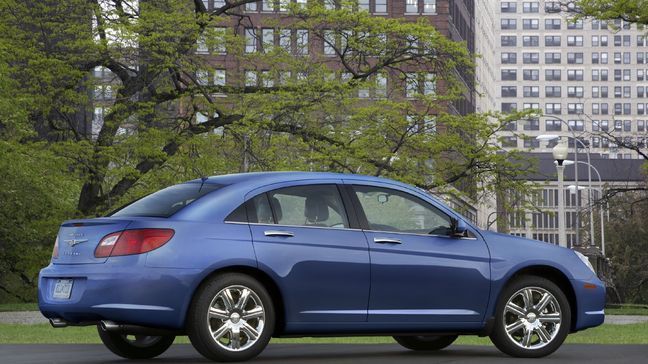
{"points": [[57, 323], [112, 326]]}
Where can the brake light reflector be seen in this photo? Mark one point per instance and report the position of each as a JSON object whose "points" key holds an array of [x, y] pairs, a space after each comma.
{"points": [[55, 250], [129, 242]]}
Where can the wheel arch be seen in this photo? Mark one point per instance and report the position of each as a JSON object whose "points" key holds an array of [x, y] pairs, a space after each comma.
{"points": [[263, 278], [553, 274]]}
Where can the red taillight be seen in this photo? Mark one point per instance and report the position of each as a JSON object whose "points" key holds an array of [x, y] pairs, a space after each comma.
{"points": [[55, 250], [130, 242]]}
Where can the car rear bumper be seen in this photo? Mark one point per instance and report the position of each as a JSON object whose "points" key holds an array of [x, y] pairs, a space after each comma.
{"points": [[590, 300], [123, 293]]}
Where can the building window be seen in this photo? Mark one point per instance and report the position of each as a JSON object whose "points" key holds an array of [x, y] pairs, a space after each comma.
{"points": [[509, 75], [552, 24], [530, 24], [250, 40], [411, 6], [553, 91], [531, 58], [509, 58], [575, 41], [508, 7], [531, 75], [301, 42], [267, 39], [574, 75], [531, 91], [553, 109], [552, 58], [380, 6], [575, 57], [575, 91], [508, 23], [508, 41], [530, 41], [553, 125], [251, 79], [552, 41], [509, 91], [429, 6], [508, 107], [575, 108], [530, 7], [553, 75], [285, 40]]}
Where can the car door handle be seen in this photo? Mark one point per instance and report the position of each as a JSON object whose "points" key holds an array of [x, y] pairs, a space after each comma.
{"points": [[386, 241], [286, 234]]}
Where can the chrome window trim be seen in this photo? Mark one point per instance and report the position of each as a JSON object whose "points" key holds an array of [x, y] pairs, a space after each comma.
{"points": [[350, 229]]}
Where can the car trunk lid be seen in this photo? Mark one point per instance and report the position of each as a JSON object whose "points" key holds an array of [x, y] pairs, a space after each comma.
{"points": [[78, 239]]}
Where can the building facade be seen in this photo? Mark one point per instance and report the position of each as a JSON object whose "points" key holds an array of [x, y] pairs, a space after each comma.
{"points": [[589, 73]]}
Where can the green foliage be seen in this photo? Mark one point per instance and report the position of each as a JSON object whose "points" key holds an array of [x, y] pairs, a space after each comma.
{"points": [[634, 11], [36, 193], [164, 124], [626, 237]]}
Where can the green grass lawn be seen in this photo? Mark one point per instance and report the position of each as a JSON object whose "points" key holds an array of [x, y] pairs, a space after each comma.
{"points": [[9, 307], [44, 334], [639, 310]]}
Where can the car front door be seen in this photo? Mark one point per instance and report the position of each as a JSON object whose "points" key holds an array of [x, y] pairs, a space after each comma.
{"points": [[305, 238], [419, 272]]}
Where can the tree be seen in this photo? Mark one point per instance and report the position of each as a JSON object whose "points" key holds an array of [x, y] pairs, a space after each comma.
{"points": [[627, 242], [632, 11], [368, 95]]}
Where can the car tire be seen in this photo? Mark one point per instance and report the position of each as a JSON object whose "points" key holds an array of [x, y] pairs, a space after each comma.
{"points": [[137, 347], [425, 343], [532, 319], [231, 318]]}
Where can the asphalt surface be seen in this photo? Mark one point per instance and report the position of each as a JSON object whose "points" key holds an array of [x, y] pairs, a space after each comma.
{"points": [[329, 353]]}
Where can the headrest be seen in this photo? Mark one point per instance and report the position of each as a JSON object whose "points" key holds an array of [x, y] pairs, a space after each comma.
{"points": [[316, 209], [263, 212], [276, 206]]}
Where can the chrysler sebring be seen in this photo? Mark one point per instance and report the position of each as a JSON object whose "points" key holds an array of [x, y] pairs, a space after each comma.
{"points": [[234, 260]]}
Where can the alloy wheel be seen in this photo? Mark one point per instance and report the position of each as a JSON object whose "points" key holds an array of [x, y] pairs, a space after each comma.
{"points": [[532, 317], [236, 318]]}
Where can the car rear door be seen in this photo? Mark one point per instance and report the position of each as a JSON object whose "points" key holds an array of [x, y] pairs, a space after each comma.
{"points": [[305, 238], [418, 272]]}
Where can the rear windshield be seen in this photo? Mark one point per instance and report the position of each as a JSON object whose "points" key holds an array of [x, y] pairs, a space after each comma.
{"points": [[168, 201]]}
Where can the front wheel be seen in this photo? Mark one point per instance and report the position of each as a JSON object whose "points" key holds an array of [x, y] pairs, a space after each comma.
{"points": [[135, 346], [425, 343], [231, 318], [532, 319]]}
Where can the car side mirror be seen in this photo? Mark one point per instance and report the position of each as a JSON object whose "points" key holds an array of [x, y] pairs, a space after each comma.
{"points": [[459, 228]]}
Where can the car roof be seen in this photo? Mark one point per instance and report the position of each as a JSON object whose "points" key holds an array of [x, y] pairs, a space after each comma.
{"points": [[254, 179]]}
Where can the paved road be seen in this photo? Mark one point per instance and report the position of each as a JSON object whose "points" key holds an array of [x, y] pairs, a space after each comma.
{"points": [[35, 317], [329, 353]]}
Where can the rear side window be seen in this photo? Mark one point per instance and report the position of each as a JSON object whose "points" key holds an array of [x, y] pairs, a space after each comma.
{"points": [[168, 201], [314, 205]]}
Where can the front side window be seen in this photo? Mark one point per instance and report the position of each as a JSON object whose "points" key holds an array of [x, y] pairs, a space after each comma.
{"points": [[396, 211], [314, 205]]}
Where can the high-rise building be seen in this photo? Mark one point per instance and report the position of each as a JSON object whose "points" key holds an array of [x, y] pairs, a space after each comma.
{"points": [[586, 76]]}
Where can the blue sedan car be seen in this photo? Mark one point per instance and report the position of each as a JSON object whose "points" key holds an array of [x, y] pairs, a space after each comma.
{"points": [[234, 260]]}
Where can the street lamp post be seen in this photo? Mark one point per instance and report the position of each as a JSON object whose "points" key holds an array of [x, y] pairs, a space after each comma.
{"points": [[589, 174], [601, 209], [560, 152]]}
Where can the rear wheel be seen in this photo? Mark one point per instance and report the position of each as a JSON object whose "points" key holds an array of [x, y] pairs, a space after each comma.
{"points": [[231, 318], [532, 319], [135, 346], [425, 343]]}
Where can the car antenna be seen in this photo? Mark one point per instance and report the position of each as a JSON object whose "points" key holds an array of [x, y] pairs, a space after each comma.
{"points": [[203, 179]]}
